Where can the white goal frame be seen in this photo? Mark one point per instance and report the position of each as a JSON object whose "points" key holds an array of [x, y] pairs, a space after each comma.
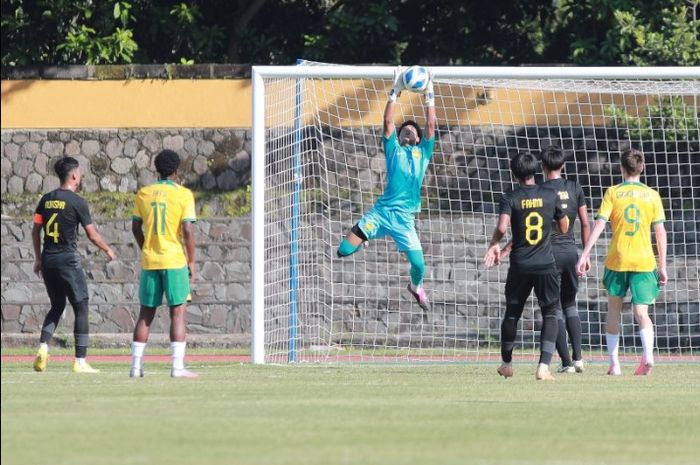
{"points": [[259, 73]]}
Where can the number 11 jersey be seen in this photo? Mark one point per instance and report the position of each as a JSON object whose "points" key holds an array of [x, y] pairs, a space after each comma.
{"points": [[163, 207], [532, 210]]}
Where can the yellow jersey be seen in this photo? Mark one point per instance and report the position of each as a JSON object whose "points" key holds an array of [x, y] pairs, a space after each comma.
{"points": [[163, 207], [631, 208]]}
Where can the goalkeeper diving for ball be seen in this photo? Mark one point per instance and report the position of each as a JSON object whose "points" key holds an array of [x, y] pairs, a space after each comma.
{"points": [[407, 157]]}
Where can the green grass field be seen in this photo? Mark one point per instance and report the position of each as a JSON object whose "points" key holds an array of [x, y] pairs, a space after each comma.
{"points": [[355, 414]]}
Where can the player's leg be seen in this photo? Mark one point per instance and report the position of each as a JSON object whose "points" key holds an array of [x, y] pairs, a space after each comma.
{"points": [[150, 297], [616, 283], [57, 297], [177, 290], [402, 228], [645, 289], [518, 288], [547, 290], [569, 289], [415, 287], [352, 242], [76, 290]]}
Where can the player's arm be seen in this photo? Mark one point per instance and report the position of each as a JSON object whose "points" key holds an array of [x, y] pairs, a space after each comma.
{"points": [[585, 228], [584, 264], [137, 231], [36, 243], [493, 253], [661, 241], [96, 238], [389, 110], [188, 237], [430, 118]]}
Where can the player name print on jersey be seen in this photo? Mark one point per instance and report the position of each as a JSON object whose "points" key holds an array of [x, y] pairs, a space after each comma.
{"points": [[55, 205], [537, 202]]}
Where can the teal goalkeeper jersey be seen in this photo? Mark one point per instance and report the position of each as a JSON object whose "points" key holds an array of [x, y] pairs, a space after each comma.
{"points": [[405, 167]]}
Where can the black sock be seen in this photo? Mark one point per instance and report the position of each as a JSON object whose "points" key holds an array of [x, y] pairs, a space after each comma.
{"points": [[573, 326], [548, 334], [81, 328], [562, 346]]}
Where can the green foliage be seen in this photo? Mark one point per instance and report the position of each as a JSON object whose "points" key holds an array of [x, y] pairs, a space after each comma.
{"points": [[669, 119], [591, 32]]}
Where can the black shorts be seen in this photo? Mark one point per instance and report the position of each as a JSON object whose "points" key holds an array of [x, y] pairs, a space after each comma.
{"points": [[519, 286], [566, 259], [66, 281]]}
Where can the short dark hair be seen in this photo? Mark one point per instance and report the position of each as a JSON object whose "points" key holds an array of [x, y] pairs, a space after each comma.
{"points": [[167, 162], [632, 161], [410, 122], [64, 167], [552, 157], [523, 165]]}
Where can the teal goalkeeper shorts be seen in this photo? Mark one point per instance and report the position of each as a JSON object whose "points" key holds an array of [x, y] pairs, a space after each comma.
{"points": [[175, 284], [401, 226]]}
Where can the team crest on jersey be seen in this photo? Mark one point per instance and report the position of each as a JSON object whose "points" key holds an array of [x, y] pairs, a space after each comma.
{"points": [[369, 226], [415, 151], [563, 195]]}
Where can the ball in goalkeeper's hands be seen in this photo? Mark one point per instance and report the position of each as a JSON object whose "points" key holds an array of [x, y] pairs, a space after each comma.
{"points": [[416, 78]]}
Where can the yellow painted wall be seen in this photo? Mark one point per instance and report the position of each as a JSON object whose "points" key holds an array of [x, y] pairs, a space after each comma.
{"points": [[211, 103], [137, 103]]}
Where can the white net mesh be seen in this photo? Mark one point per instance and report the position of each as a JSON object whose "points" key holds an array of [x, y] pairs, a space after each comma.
{"points": [[324, 168]]}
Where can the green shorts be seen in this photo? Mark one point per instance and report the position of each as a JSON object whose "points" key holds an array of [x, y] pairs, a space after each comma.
{"points": [[644, 285], [174, 283]]}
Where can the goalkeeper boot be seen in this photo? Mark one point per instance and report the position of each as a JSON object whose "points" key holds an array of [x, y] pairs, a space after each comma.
{"points": [[644, 368], [182, 373], [421, 297], [83, 367], [505, 370], [578, 366], [42, 360]]}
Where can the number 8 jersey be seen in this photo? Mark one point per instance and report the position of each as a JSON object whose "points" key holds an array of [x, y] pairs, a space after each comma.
{"points": [[163, 207], [532, 210], [632, 208], [60, 212]]}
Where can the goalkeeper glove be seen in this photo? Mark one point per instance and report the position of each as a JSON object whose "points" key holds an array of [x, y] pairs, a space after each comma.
{"points": [[429, 91], [395, 92]]}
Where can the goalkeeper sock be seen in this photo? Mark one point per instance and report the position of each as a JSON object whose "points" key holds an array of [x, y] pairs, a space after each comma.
{"points": [[613, 341], [415, 258], [346, 248], [137, 350], [178, 350]]}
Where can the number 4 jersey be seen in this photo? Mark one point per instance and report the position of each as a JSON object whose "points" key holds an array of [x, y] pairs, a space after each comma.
{"points": [[59, 213], [532, 210], [632, 208], [163, 207]]}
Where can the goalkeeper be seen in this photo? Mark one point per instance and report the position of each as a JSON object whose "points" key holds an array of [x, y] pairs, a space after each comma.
{"points": [[407, 157]]}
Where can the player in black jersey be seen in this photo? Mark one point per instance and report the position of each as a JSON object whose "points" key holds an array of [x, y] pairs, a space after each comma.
{"points": [[58, 215], [573, 202], [530, 210]]}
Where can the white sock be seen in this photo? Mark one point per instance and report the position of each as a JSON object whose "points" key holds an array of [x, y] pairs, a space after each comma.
{"points": [[647, 335], [613, 346], [542, 366], [178, 350], [80, 361], [137, 350], [44, 346]]}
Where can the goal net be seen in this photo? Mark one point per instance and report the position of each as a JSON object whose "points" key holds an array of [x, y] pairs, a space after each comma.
{"points": [[318, 166]]}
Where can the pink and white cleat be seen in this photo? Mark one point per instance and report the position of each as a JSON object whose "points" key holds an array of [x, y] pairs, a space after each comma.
{"points": [[644, 368], [614, 370], [421, 297], [183, 373]]}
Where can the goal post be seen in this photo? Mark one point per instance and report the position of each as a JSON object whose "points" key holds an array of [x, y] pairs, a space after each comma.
{"points": [[317, 167]]}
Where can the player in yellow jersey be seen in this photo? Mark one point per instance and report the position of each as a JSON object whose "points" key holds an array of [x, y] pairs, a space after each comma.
{"points": [[162, 223], [633, 209]]}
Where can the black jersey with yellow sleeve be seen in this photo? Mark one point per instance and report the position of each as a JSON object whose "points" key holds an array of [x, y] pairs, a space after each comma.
{"points": [[59, 213], [532, 210]]}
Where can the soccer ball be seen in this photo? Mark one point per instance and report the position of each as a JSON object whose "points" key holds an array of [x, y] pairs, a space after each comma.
{"points": [[416, 78]]}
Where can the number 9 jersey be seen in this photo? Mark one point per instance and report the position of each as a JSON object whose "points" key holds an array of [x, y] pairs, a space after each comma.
{"points": [[163, 207], [59, 213], [532, 210], [632, 208]]}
